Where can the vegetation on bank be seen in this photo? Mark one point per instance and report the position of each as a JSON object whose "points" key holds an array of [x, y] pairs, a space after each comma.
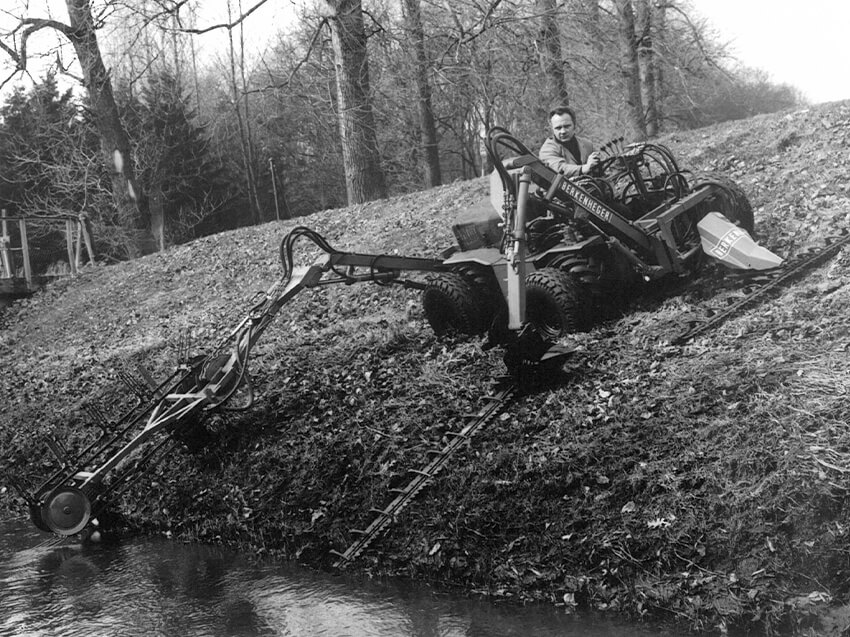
{"points": [[703, 483]]}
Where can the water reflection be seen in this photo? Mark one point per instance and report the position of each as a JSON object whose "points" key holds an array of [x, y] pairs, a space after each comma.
{"points": [[158, 587]]}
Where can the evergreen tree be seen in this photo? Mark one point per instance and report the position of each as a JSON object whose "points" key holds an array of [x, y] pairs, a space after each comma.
{"points": [[186, 189], [41, 134], [46, 151]]}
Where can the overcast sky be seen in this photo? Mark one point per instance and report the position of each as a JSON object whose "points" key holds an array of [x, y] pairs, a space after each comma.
{"points": [[802, 43]]}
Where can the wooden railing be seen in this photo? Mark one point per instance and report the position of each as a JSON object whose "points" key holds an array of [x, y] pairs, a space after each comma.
{"points": [[76, 235]]}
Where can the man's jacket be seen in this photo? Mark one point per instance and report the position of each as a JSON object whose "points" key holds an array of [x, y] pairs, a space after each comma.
{"points": [[555, 155]]}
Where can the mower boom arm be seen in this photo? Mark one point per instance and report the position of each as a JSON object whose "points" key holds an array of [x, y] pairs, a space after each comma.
{"points": [[65, 503]]}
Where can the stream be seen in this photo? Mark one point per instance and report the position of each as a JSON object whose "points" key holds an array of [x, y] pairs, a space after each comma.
{"points": [[152, 586]]}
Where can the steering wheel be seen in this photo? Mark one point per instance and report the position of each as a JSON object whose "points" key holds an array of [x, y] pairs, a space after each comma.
{"points": [[613, 151], [600, 169]]}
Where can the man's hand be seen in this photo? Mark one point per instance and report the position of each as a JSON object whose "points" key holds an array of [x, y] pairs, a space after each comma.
{"points": [[592, 161]]}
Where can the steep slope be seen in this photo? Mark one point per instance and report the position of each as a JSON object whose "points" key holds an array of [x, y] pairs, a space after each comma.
{"points": [[705, 483]]}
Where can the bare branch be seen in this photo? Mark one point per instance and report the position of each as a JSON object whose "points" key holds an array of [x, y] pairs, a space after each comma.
{"points": [[226, 25], [699, 40], [304, 59], [64, 70], [28, 27]]}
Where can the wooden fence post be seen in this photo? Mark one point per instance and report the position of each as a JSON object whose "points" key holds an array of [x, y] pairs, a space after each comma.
{"points": [[69, 245], [6, 269], [78, 245], [84, 226], [25, 249]]}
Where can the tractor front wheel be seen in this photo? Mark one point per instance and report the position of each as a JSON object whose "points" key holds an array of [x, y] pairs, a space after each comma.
{"points": [[554, 303], [450, 305]]}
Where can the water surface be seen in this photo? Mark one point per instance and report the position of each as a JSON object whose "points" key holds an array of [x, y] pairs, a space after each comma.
{"points": [[158, 587]]}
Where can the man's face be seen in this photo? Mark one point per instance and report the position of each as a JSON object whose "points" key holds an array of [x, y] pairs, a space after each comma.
{"points": [[563, 127]]}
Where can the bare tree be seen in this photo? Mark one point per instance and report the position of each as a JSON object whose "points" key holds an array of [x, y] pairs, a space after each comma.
{"points": [[592, 26], [364, 177], [629, 66], [645, 31], [549, 50], [428, 129], [241, 105], [658, 44]]}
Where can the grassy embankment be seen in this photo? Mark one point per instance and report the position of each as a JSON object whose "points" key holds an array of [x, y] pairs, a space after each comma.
{"points": [[705, 483]]}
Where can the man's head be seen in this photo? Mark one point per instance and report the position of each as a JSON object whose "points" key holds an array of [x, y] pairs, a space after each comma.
{"points": [[563, 122]]}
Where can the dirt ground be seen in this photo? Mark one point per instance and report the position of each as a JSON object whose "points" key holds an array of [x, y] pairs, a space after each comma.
{"points": [[703, 483]]}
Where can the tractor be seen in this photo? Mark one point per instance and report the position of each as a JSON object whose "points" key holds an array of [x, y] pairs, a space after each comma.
{"points": [[554, 255]]}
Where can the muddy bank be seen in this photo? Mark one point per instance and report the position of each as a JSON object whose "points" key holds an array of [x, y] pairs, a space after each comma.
{"points": [[703, 483]]}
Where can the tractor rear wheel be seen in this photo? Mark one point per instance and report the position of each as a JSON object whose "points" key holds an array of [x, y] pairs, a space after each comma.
{"points": [[450, 304], [490, 307], [730, 201], [554, 303]]}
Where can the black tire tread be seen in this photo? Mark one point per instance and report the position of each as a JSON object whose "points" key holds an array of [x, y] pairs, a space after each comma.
{"points": [[741, 210], [554, 303], [450, 304]]}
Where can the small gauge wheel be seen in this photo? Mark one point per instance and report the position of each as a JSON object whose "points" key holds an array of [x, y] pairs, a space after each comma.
{"points": [[66, 511]]}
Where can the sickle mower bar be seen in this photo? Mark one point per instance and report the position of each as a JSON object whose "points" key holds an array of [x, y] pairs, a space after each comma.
{"points": [[83, 486]]}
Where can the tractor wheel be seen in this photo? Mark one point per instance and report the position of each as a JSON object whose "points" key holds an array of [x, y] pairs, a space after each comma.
{"points": [[487, 295], [731, 201], [554, 303], [580, 270], [450, 305]]}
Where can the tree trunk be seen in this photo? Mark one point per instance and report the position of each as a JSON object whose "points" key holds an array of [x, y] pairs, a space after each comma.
{"points": [[114, 142], [591, 8], [629, 67], [646, 64], [156, 205], [427, 126], [240, 104], [551, 57], [660, 25], [364, 177]]}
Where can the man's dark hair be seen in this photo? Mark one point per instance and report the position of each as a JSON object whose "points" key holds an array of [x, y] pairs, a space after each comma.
{"points": [[563, 110]]}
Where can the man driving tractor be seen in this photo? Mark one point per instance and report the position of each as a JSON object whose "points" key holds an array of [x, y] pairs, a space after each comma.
{"points": [[564, 151]]}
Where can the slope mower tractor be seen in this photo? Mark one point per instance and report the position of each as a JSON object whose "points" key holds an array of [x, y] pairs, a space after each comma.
{"points": [[544, 257], [563, 253]]}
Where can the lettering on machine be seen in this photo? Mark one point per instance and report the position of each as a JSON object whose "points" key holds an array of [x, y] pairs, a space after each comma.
{"points": [[725, 243]]}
